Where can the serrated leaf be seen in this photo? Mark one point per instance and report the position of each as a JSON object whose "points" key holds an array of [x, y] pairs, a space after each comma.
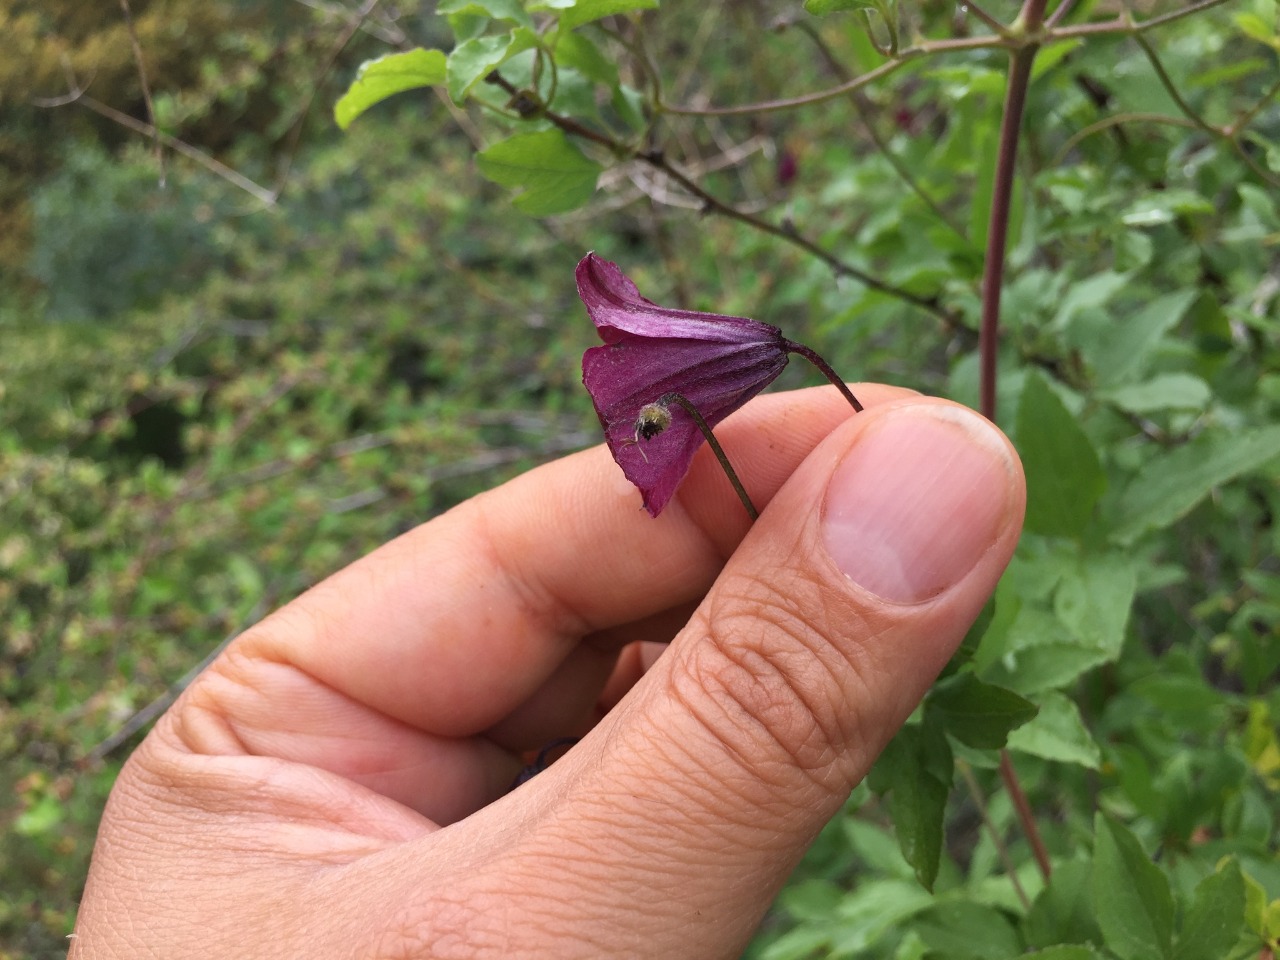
{"points": [[472, 61], [1131, 895], [1171, 484], [979, 714], [1215, 920], [386, 76], [1169, 391], [1058, 733], [1064, 477], [550, 173]]}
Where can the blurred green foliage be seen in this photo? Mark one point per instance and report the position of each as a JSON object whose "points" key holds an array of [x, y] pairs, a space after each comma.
{"points": [[206, 405]]}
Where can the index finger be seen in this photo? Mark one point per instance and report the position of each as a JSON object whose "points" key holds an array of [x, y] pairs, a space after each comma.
{"points": [[452, 625]]}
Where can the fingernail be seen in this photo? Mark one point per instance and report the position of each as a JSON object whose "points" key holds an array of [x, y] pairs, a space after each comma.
{"points": [[917, 501]]}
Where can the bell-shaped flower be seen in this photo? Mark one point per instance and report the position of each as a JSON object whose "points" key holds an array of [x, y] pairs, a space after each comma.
{"points": [[653, 355]]}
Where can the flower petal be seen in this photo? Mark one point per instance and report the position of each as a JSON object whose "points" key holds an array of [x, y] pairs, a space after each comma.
{"points": [[617, 308], [716, 363]]}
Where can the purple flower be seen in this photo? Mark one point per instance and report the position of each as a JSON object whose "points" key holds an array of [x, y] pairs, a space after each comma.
{"points": [[651, 353]]}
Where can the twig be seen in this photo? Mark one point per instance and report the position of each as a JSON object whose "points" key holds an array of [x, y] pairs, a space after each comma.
{"points": [[971, 7], [1115, 120], [260, 193], [1063, 9], [864, 113], [294, 136], [1218, 133], [1124, 24], [146, 87], [712, 204], [1002, 850], [925, 48], [1245, 118]]}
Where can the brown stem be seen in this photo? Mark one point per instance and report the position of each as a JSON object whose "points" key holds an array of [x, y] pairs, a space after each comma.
{"points": [[712, 204], [931, 304], [718, 450], [998, 225], [1030, 21], [827, 371], [863, 107], [1025, 815], [1002, 849]]}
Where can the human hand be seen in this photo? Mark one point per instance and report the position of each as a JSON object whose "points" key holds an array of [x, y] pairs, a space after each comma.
{"points": [[335, 784]]}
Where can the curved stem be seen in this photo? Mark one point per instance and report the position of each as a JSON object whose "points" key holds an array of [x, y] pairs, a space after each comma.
{"points": [[904, 57], [1112, 121], [803, 351], [718, 450], [863, 107], [658, 159]]}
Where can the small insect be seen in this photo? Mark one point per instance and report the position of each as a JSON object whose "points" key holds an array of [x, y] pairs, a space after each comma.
{"points": [[651, 421]]}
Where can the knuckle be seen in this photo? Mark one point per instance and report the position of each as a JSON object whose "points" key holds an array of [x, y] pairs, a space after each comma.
{"points": [[771, 680]]}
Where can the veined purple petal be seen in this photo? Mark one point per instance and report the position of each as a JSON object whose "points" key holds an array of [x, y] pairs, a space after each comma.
{"points": [[617, 308], [717, 363]]}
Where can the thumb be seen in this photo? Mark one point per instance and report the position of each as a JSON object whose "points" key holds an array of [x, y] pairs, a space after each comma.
{"points": [[685, 810]]}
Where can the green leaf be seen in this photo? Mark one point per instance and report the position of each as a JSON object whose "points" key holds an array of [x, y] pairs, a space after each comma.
{"points": [[1131, 895], [472, 61], [1169, 391], [1093, 600], [979, 714], [1050, 57], [1122, 346], [1064, 477], [962, 928], [1058, 733], [577, 13], [916, 769], [577, 51], [551, 173], [1063, 911], [1171, 484], [395, 73], [1064, 951], [507, 10], [1215, 919]]}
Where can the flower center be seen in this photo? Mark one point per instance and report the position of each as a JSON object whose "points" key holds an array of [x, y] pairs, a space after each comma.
{"points": [[652, 420]]}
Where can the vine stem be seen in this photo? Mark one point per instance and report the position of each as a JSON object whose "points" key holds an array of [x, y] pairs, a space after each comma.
{"points": [[801, 350], [1029, 25], [713, 204], [684, 404], [998, 223]]}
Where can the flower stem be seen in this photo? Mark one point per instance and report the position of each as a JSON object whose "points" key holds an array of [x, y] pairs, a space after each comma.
{"points": [[718, 450], [817, 361]]}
